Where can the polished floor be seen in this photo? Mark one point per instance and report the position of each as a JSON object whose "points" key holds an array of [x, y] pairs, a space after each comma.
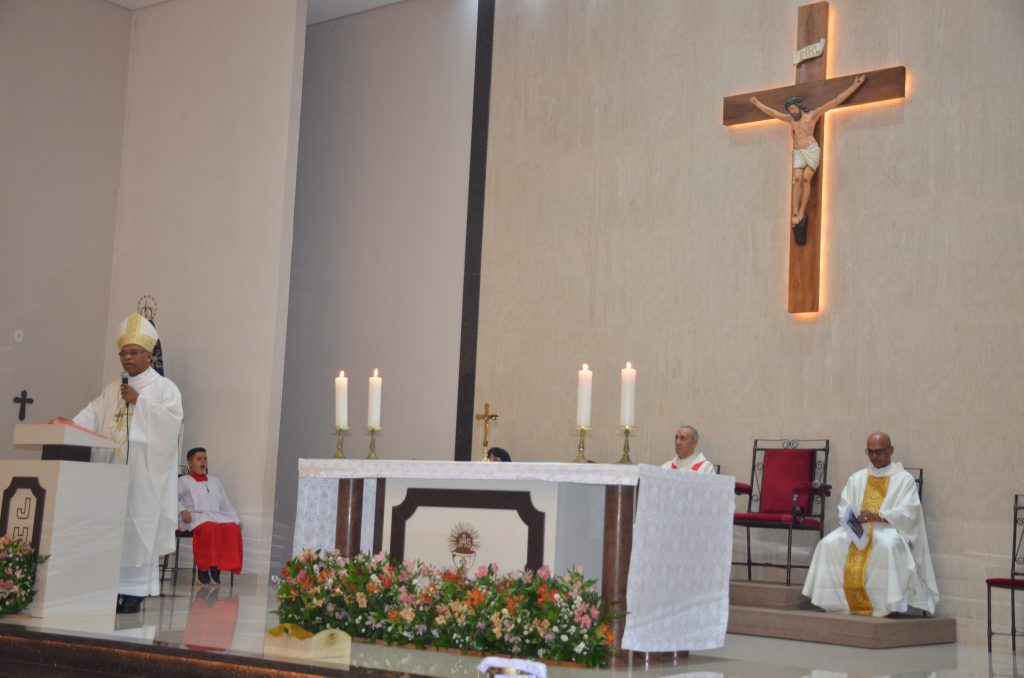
{"points": [[233, 620]]}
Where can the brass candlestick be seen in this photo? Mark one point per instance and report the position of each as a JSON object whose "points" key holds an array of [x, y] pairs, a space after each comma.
{"points": [[580, 457], [625, 446], [341, 432], [374, 431]]}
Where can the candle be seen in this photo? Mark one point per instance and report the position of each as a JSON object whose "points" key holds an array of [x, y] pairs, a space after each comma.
{"points": [[584, 389], [628, 401], [373, 410], [341, 400]]}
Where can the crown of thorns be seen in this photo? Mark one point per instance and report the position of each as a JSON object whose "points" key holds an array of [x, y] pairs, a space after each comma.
{"points": [[794, 101]]}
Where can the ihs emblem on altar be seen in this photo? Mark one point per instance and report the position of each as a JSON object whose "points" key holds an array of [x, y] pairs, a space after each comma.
{"points": [[463, 542]]}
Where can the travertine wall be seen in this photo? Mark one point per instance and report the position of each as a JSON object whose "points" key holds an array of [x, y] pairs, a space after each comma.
{"points": [[205, 225], [380, 231], [63, 77], [624, 222]]}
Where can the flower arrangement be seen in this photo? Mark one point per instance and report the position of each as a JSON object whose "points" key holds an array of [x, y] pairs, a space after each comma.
{"points": [[532, 615], [18, 564]]}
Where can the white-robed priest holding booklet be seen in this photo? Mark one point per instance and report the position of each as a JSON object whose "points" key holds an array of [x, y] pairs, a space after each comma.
{"points": [[877, 562]]}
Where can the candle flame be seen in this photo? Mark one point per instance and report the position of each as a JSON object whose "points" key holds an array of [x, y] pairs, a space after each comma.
{"points": [[629, 365], [375, 371], [585, 368], [342, 373]]}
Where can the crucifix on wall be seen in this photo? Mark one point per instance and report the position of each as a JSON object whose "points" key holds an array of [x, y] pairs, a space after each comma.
{"points": [[802, 106]]}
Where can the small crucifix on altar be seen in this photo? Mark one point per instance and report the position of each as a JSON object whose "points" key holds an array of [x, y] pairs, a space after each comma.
{"points": [[802, 106], [487, 417]]}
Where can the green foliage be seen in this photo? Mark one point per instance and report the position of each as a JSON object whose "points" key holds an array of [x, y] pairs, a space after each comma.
{"points": [[525, 614], [18, 564]]}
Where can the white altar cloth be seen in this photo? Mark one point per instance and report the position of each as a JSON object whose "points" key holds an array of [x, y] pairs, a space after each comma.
{"points": [[675, 512], [677, 593], [591, 474]]}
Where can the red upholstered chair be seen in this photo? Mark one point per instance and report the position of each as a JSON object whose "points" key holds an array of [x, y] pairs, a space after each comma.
{"points": [[1016, 580], [787, 490]]}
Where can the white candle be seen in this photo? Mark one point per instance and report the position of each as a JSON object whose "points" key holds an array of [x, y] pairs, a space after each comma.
{"points": [[341, 400], [373, 410], [628, 410], [584, 389]]}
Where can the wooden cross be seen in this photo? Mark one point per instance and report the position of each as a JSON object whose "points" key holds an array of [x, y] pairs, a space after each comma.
{"points": [[23, 400], [815, 88], [487, 417]]}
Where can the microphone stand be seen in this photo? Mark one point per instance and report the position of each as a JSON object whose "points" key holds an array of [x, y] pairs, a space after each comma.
{"points": [[127, 423]]}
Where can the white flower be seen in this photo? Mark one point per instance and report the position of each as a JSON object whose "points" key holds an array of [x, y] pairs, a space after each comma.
{"points": [[564, 637]]}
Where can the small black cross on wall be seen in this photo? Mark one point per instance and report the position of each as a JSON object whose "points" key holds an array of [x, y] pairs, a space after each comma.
{"points": [[23, 400]]}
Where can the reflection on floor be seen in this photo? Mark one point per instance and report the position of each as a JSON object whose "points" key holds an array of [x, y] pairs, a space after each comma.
{"points": [[232, 620]]}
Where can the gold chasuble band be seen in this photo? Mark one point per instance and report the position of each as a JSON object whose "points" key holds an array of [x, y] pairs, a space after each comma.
{"points": [[856, 571]]}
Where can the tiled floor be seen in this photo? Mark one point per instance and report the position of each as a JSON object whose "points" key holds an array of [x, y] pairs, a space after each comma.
{"points": [[234, 619]]}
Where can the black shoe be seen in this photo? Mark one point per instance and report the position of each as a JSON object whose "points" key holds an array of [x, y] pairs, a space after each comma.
{"points": [[800, 231], [128, 604], [215, 575], [204, 577]]}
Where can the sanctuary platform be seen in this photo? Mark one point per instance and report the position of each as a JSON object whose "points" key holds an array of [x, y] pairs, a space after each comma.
{"points": [[219, 632], [778, 611]]}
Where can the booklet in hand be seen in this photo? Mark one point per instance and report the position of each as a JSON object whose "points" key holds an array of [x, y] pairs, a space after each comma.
{"points": [[858, 535]]}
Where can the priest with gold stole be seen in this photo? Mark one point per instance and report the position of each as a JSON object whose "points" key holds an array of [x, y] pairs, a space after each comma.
{"points": [[877, 561], [142, 413]]}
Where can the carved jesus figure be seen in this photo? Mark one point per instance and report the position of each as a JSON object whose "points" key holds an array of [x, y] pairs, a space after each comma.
{"points": [[806, 153]]}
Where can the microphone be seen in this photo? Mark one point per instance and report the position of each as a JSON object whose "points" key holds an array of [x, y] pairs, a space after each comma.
{"points": [[818, 485], [127, 422]]}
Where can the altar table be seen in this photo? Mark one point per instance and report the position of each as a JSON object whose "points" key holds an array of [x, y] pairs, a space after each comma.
{"points": [[667, 555]]}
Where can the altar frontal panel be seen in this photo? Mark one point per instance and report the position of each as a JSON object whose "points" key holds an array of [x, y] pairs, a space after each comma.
{"points": [[513, 524]]}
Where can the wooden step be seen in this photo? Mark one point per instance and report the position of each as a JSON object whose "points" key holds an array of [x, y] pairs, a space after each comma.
{"points": [[767, 594], [852, 630]]}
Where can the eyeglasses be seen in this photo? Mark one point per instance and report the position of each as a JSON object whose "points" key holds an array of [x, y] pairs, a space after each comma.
{"points": [[880, 450], [130, 354]]}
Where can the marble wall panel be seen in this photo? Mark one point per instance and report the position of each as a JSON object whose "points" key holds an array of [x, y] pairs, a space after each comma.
{"points": [[663, 241]]}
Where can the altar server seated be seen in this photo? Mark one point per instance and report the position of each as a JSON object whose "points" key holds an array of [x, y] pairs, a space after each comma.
{"points": [[204, 508], [687, 458], [877, 561]]}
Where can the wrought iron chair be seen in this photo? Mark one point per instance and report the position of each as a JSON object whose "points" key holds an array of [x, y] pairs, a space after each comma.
{"points": [[1016, 580], [787, 490], [918, 475]]}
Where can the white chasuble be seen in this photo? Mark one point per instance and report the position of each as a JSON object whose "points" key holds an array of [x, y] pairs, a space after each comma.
{"points": [[894, 570], [151, 440], [696, 462]]}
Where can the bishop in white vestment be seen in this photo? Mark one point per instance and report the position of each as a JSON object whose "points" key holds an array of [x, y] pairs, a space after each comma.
{"points": [[144, 417], [888, 567]]}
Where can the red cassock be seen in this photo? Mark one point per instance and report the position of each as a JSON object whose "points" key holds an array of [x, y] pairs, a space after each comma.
{"points": [[218, 545]]}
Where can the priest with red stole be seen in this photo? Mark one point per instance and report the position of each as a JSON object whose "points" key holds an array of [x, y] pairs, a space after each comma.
{"points": [[203, 507], [687, 457]]}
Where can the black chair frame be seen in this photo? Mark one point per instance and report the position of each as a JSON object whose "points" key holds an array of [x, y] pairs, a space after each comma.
{"points": [[1016, 579], [816, 486]]}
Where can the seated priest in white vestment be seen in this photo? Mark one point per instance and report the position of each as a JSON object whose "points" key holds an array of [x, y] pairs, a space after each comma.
{"points": [[142, 413], [203, 507], [687, 458], [877, 561]]}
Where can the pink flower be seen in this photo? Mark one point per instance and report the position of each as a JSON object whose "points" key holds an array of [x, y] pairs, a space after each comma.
{"points": [[544, 573]]}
